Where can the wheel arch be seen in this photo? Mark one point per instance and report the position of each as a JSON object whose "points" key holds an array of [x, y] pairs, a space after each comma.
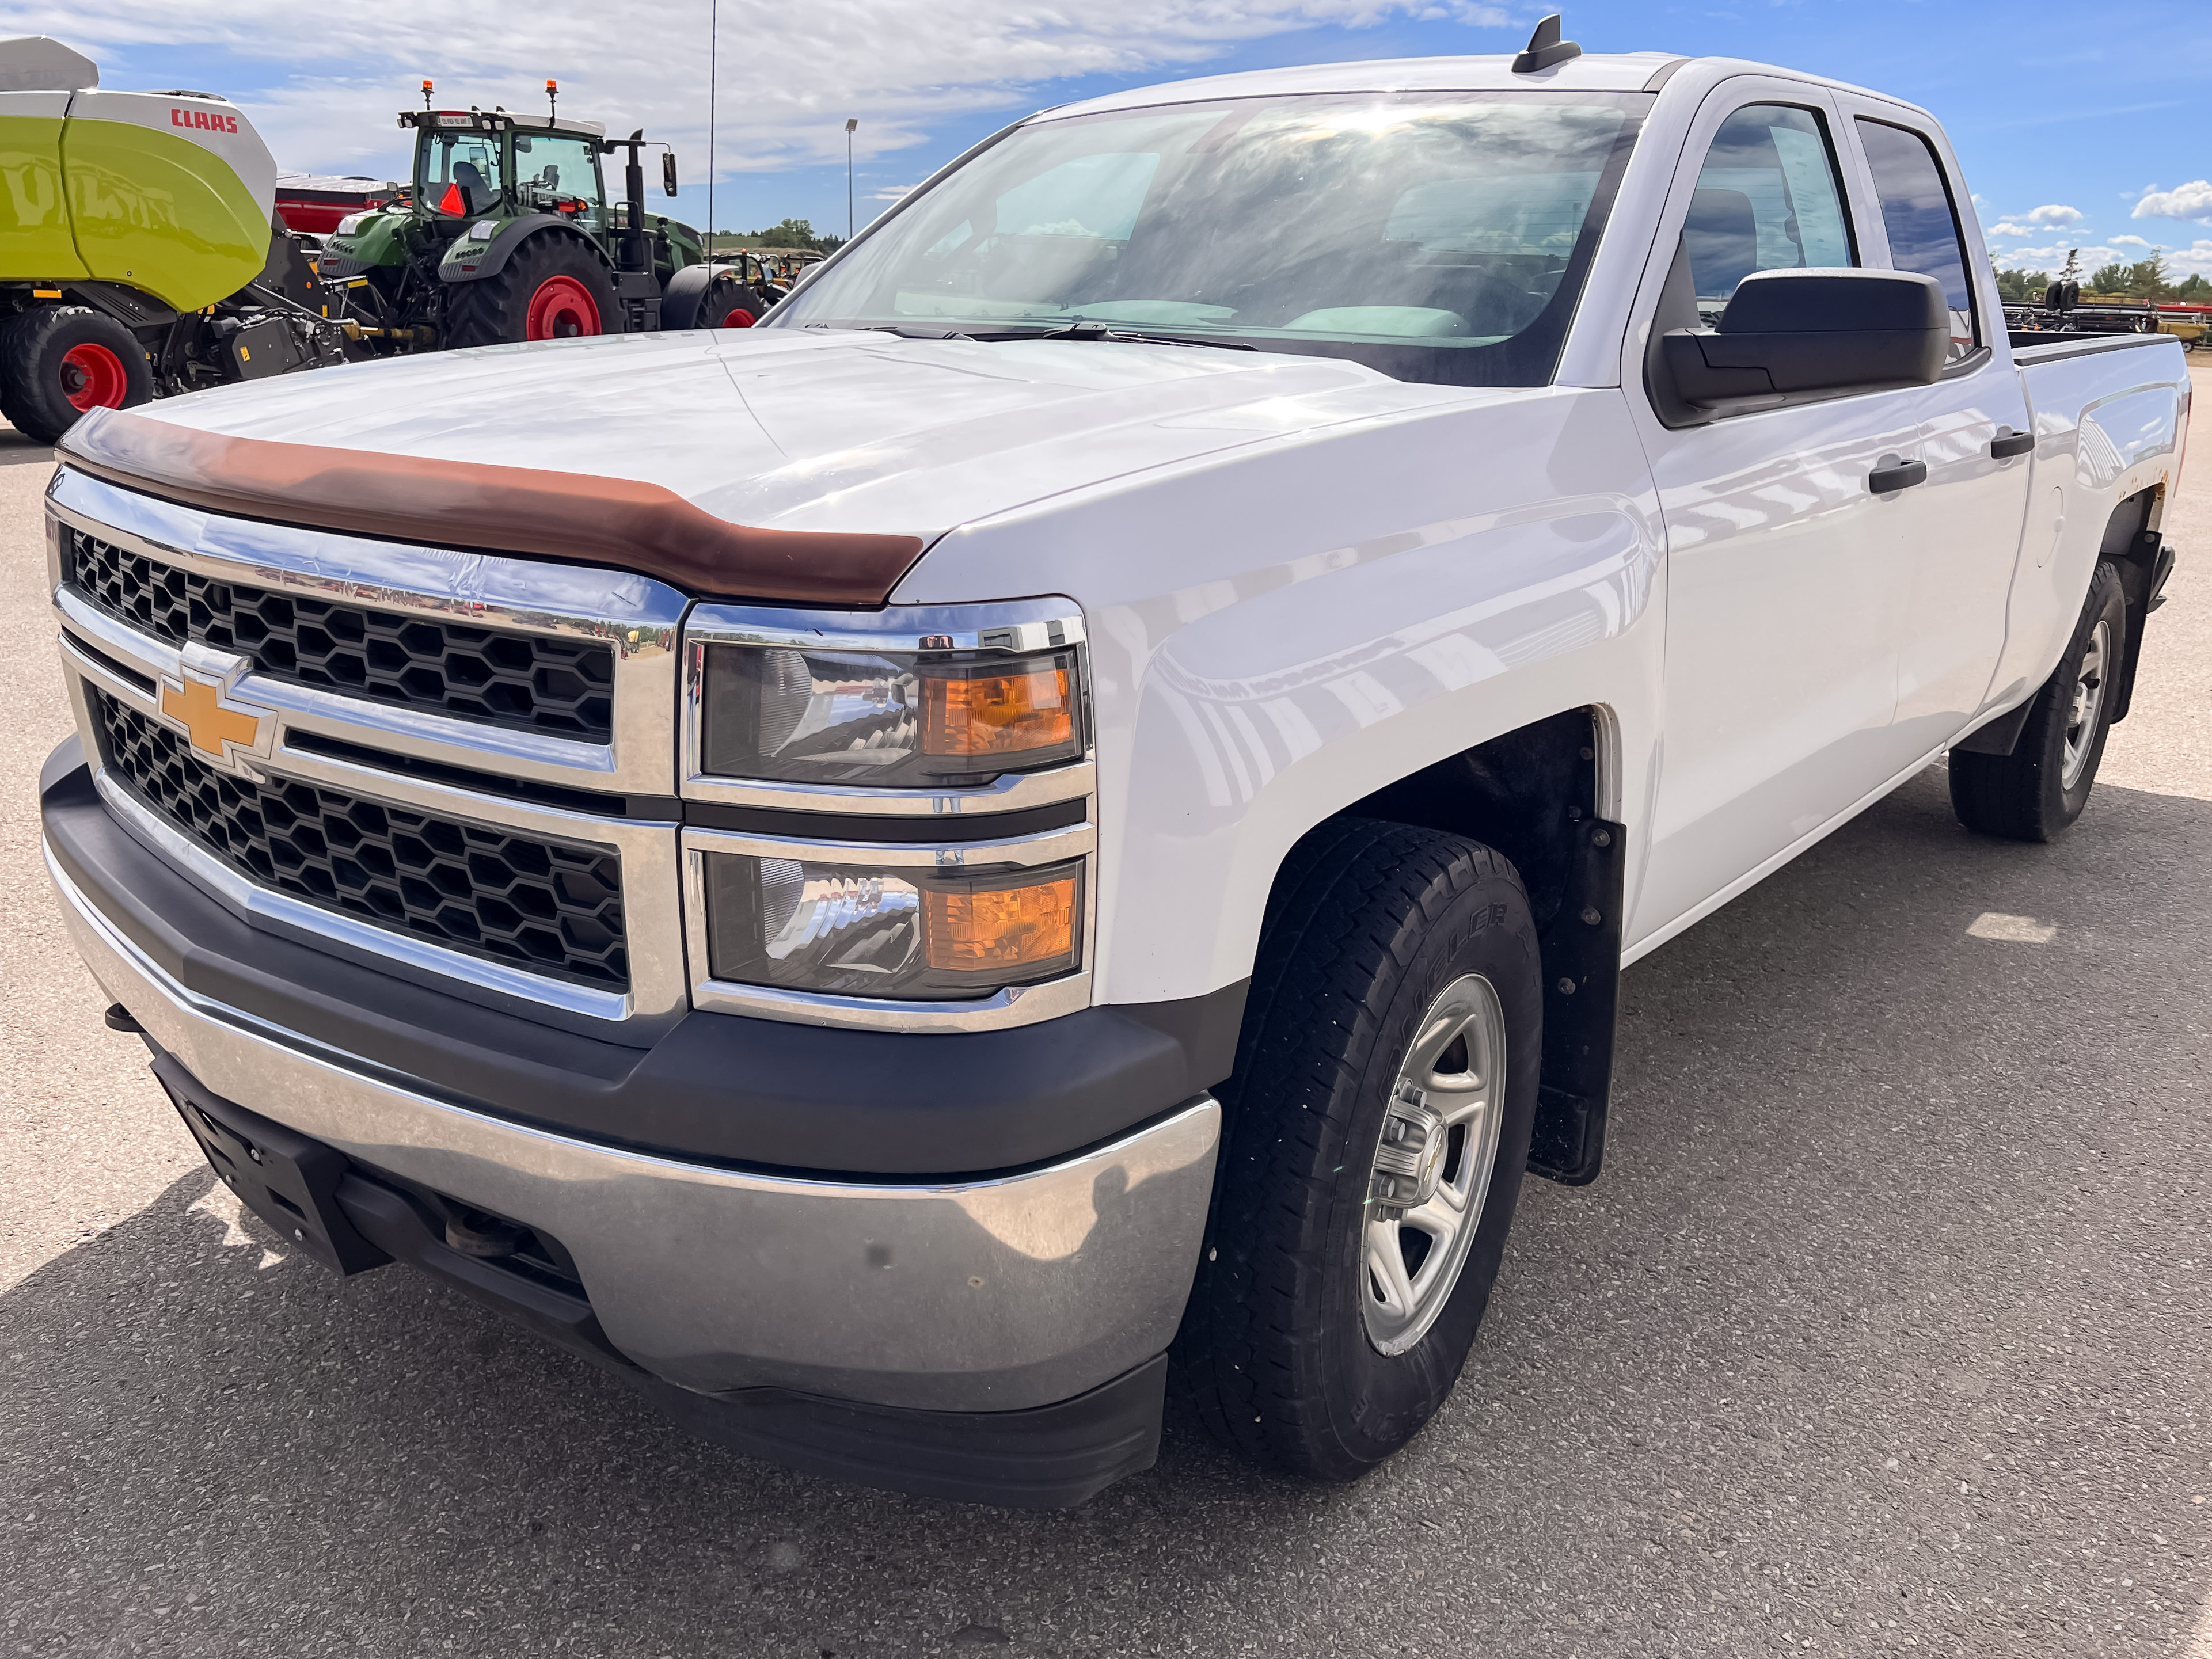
{"points": [[1545, 794], [2136, 543], [511, 236]]}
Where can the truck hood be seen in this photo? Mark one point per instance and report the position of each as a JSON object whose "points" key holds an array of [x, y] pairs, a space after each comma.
{"points": [[805, 431]]}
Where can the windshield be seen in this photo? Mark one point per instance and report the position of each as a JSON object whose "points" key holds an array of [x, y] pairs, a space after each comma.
{"points": [[460, 172], [1437, 236]]}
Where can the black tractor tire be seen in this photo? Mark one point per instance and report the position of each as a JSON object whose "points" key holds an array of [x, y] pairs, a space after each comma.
{"points": [[2029, 794], [57, 362], [694, 298], [1371, 928], [553, 287]]}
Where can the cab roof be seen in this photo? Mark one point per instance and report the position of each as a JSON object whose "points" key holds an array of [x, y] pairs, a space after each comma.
{"points": [[1627, 72]]}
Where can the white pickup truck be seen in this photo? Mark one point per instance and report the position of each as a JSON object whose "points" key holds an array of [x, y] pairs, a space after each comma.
{"points": [[1062, 818]]}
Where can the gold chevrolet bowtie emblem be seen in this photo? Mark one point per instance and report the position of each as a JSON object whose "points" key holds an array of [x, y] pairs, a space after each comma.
{"points": [[198, 708]]}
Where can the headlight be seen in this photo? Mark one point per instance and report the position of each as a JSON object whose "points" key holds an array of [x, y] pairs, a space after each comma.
{"points": [[902, 932], [891, 719]]}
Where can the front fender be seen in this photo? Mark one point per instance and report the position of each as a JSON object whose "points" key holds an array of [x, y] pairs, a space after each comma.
{"points": [[1284, 627], [471, 261]]}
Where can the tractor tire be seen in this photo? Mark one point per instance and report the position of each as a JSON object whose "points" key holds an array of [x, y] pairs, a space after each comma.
{"points": [[553, 288], [57, 362], [695, 299]]}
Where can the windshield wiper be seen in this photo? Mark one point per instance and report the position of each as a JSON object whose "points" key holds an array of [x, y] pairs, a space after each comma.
{"points": [[1086, 331], [1107, 332]]}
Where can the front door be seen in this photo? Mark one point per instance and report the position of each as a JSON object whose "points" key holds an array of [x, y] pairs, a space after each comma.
{"points": [[1789, 581]]}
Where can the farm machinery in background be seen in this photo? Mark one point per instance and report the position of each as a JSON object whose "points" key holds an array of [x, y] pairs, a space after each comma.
{"points": [[2060, 309], [146, 258]]}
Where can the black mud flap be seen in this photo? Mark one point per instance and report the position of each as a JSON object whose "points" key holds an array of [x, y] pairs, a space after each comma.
{"points": [[1582, 997]]}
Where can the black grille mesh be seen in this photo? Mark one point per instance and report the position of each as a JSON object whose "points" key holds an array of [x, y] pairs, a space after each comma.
{"points": [[537, 904], [525, 680]]}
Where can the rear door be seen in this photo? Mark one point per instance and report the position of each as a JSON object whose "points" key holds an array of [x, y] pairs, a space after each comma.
{"points": [[1964, 519]]}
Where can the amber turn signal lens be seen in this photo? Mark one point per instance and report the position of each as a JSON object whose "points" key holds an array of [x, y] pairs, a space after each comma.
{"points": [[990, 715], [1000, 927]]}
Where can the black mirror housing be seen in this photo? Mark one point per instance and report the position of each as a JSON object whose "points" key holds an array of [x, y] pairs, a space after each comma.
{"points": [[668, 171], [1814, 330]]}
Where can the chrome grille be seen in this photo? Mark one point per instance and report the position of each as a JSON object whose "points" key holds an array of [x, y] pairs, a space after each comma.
{"points": [[530, 682], [538, 904]]}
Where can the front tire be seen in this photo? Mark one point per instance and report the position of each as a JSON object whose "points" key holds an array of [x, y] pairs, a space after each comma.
{"points": [[697, 297], [1379, 1122], [2037, 791], [553, 288], [57, 362]]}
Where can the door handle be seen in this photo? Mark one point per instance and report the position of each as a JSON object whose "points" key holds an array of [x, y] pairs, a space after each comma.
{"points": [[1902, 475], [2008, 443]]}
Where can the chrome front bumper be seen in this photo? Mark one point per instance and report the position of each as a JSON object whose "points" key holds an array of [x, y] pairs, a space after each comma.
{"points": [[992, 1295]]}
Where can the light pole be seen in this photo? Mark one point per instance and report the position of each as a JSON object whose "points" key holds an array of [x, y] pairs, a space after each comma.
{"points": [[851, 122]]}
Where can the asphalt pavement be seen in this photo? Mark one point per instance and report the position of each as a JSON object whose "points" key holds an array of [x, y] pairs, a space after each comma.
{"points": [[1885, 1330]]}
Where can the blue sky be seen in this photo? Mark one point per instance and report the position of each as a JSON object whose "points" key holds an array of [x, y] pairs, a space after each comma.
{"points": [[2070, 135]]}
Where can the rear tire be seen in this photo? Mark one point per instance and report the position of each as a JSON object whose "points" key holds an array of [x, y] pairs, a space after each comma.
{"points": [[1395, 964], [552, 287], [57, 362], [2034, 792]]}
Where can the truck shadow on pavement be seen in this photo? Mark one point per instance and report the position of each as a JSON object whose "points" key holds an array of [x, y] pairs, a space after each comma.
{"points": [[1888, 1319]]}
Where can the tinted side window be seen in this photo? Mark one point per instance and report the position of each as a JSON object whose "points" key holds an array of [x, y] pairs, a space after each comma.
{"points": [[1767, 199], [1922, 224]]}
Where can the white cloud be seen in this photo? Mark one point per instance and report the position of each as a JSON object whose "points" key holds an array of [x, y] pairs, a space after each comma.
{"points": [[2190, 201], [2193, 261], [2129, 241], [2055, 213], [2008, 228], [787, 79], [2052, 258]]}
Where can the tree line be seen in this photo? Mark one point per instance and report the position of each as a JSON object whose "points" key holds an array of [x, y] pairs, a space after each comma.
{"points": [[795, 233], [2150, 280]]}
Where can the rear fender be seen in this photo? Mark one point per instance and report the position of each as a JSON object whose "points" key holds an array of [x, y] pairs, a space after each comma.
{"points": [[470, 261]]}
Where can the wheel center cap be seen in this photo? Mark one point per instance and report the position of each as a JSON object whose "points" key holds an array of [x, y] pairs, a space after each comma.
{"points": [[1410, 1160]]}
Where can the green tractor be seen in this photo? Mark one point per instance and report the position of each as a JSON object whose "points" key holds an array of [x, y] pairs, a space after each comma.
{"points": [[506, 234], [140, 255]]}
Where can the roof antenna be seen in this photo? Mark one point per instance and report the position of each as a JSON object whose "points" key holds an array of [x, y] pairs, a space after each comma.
{"points": [[1545, 48]]}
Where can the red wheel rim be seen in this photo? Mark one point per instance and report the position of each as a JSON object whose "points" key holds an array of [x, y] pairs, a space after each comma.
{"points": [[93, 377], [562, 309], [738, 318]]}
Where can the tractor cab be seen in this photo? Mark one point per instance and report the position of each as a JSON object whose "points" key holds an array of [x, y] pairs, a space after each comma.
{"points": [[471, 165]]}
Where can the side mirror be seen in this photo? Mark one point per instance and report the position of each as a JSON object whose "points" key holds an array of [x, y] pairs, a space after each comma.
{"points": [[1814, 330], [668, 171]]}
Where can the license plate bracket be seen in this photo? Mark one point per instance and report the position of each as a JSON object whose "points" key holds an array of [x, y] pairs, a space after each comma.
{"points": [[288, 1179]]}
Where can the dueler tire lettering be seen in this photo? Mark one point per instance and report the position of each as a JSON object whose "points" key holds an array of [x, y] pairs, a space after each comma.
{"points": [[57, 362], [552, 278], [1370, 927]]}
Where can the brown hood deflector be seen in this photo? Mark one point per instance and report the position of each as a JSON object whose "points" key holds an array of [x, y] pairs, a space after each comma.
{"points": [[575, 517]]}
